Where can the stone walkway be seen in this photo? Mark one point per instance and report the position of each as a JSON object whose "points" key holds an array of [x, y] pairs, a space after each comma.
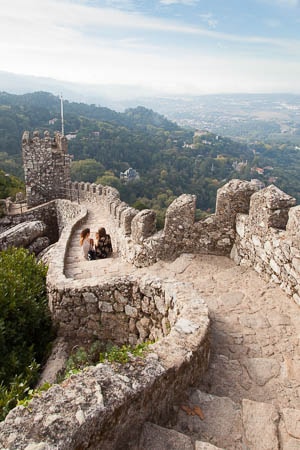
{"points": [[255, 326], [254, 374], [77, 267], [255, 338], [255, 330]]}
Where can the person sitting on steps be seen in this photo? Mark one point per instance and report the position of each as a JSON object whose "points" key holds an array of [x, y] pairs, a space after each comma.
{"points": [[87, 244], [103, 245]]}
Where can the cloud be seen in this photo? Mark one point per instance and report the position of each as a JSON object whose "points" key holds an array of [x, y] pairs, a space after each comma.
{"points": [[283, 3], [81, 42], [291, 3], [122, 4], [179, 2], [75, 20], [208, 18]]}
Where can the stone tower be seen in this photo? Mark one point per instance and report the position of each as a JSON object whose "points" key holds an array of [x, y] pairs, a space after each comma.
{"points": [[46, 166]]}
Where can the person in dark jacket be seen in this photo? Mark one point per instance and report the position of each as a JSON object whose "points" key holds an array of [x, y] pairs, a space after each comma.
{"points": [[103, 245]]}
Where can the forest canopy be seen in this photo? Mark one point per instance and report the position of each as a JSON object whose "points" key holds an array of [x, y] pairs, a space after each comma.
{"points": [[169, 159]]}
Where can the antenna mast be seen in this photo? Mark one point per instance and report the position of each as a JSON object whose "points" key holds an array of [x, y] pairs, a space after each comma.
{"points": [[62, 115]]}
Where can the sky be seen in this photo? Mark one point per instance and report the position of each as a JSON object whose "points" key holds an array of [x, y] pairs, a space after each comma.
{"points": [[169, 47]]}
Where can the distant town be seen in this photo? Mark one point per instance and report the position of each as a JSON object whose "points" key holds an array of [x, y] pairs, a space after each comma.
{"points": [[246, 117]]}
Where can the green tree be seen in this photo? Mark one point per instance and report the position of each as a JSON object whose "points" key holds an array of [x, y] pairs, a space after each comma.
{"points": [[109, 179], [25, 323], [9, 185], [86, 170]]}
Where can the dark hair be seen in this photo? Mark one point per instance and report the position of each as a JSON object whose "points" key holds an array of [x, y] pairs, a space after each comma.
{"points": [[84, 234], [102, 232]]}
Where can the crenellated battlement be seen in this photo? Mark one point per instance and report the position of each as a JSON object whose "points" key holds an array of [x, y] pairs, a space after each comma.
{"points": [[135, 231], [106, 406], [46, 166], [268, 239], [258, 228]]}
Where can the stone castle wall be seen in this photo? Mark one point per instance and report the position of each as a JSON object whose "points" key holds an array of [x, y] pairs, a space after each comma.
{"points": [[47, 176], [105, 406], [46, 167], [268, 239], [258, 228], [135, 231], [115, 400], [122, 311], [38, 227]]}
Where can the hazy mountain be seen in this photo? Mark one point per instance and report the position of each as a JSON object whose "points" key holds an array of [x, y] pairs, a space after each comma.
{"points": [[271, 117], [170, 159], [105, 95]]}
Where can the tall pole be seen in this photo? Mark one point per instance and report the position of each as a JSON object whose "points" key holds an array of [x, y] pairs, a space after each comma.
{"points": [[62, 115]]}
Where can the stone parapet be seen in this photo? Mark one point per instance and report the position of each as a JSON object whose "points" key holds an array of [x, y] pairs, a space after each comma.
{"points": [[121, 310], [143, 225], [180, 216], [67, 212], [257, 239], [135, 232], [232, 198], [262, 242], [269, 208], [106, 406], [293, 226]]}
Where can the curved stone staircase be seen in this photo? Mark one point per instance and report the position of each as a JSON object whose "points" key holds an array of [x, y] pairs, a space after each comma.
{"points": [[77, 267], [250, 397]]}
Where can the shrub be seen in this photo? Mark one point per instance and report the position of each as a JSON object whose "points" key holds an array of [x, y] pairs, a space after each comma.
{"points": [[123, 354], [18, 389], [25, 322], [101, 352]]}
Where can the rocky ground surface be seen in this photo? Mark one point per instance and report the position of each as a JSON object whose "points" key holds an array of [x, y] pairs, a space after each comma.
{"points": [[250, 395]]}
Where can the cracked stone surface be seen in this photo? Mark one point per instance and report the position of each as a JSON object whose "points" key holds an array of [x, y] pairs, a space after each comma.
{"points": [[255, 352], [222, 423], [157, 438], [260, 422]]}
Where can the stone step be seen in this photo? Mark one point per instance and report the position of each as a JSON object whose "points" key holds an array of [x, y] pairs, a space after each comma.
{"points": [[250, 425], [154, 437], [221, 424], [75, 265], [266, 427], [71, 260]]}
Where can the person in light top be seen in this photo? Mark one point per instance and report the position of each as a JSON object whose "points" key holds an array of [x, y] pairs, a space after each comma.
{"points": [[87, 244]]}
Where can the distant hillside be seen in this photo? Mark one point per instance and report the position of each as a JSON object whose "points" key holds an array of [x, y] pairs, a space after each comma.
{"points": [[271, 118], [34, 111], [169, 159]]}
